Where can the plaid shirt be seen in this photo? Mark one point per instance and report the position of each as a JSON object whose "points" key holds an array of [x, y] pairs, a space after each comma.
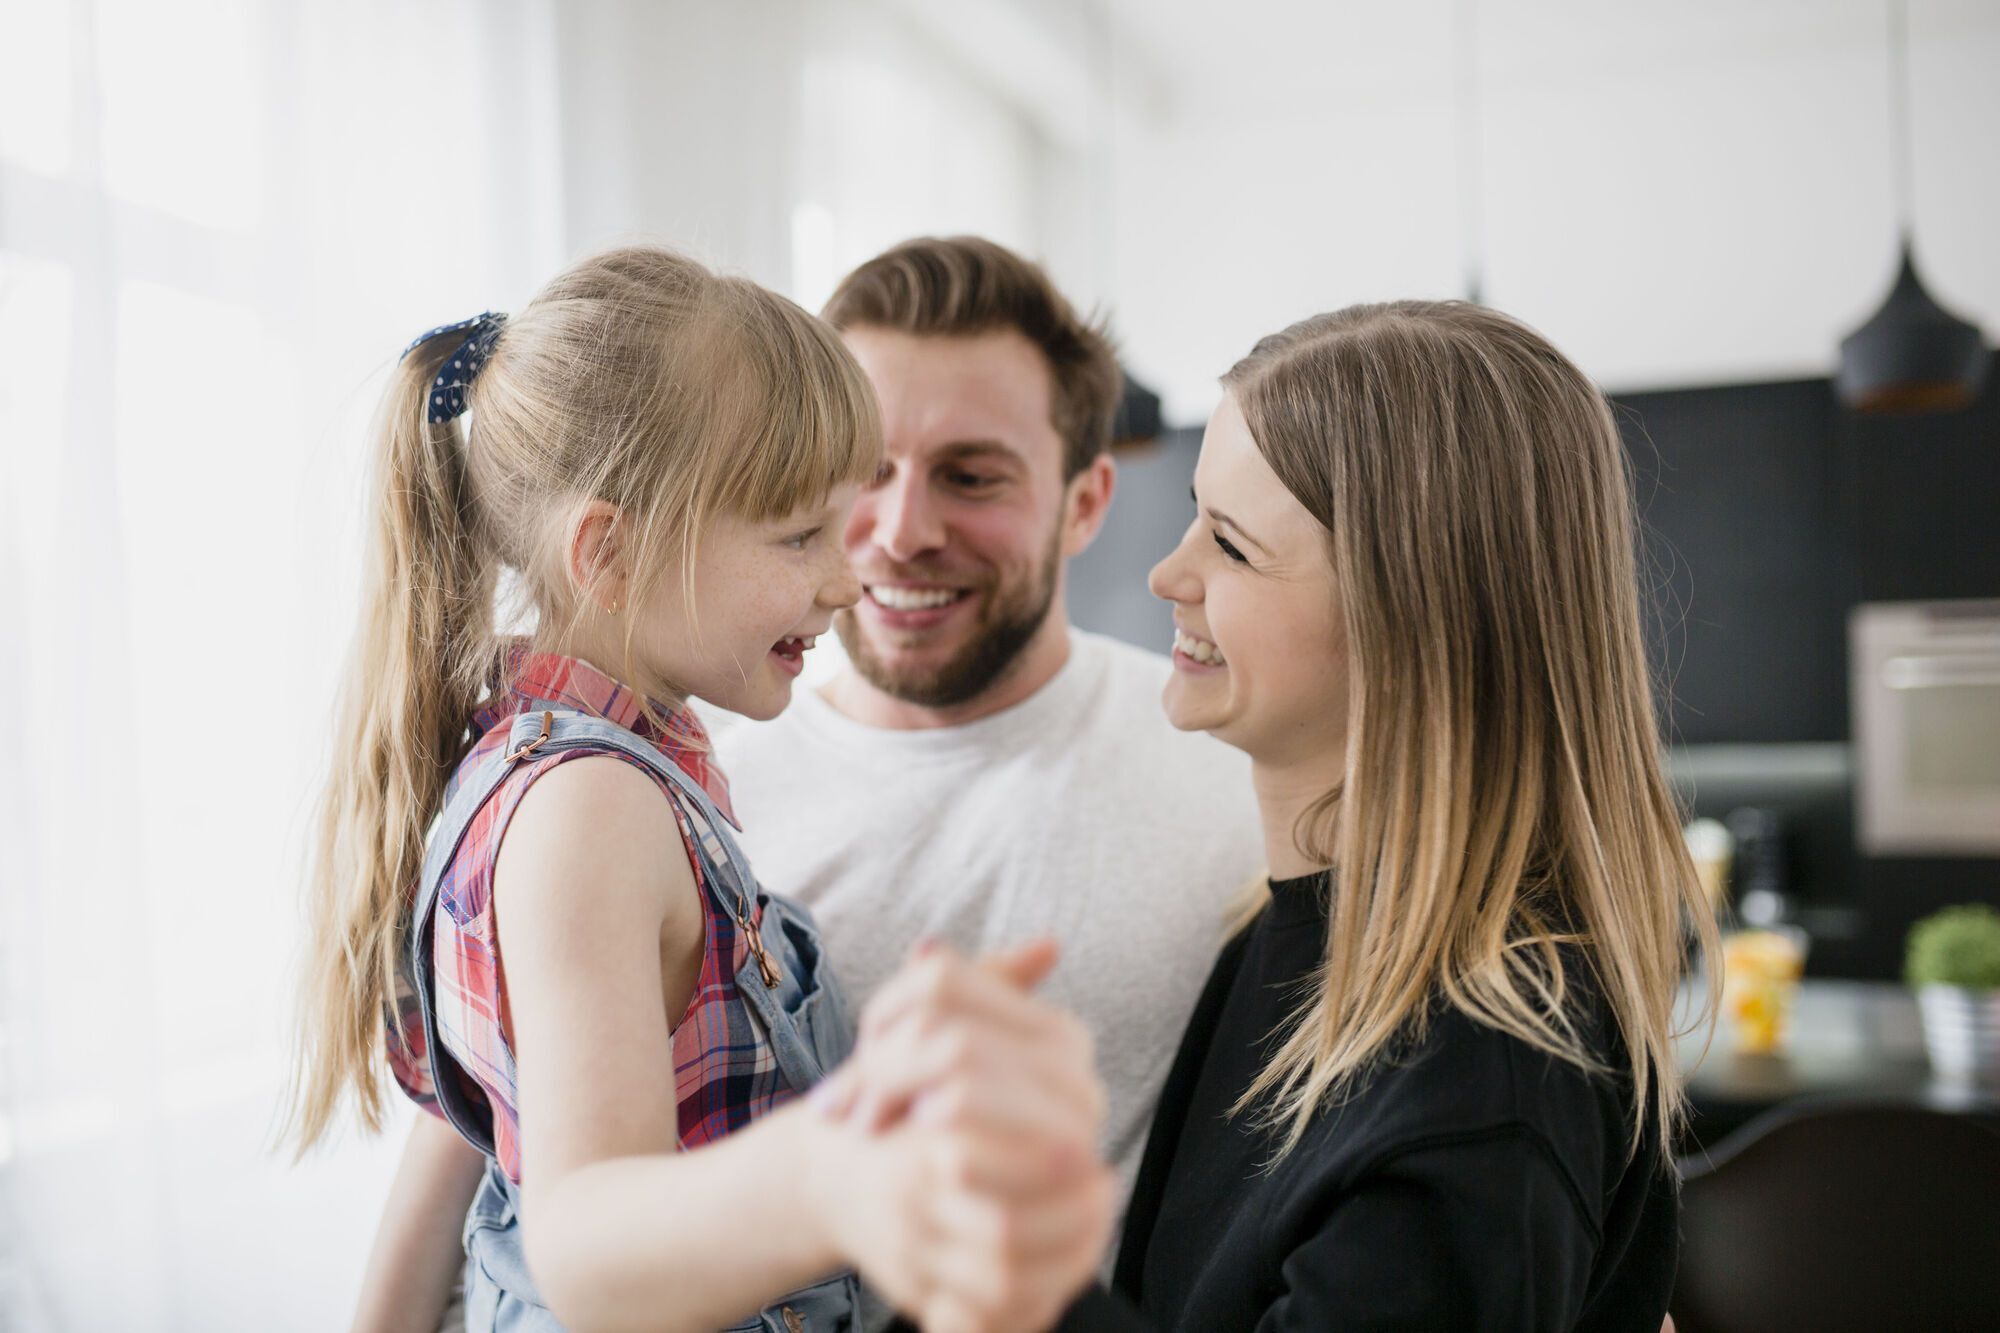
{"points": [[724, 1071]]}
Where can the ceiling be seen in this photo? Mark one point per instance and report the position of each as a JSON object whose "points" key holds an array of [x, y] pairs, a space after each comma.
{"points": [[1255, 57]]}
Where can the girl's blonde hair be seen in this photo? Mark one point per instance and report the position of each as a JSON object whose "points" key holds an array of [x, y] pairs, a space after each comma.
{"points": [[636, 377], [1503, 792]]}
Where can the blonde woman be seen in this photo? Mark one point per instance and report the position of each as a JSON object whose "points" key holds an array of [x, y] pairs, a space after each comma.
{"points": [[1431, 1084], [526, 855]]}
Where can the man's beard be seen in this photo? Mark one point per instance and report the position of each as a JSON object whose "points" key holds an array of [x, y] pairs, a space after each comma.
{"points": [[1006, 624]]}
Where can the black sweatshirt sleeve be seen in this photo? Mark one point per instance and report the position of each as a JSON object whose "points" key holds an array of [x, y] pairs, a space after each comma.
{"points": [[1480, 1232]]}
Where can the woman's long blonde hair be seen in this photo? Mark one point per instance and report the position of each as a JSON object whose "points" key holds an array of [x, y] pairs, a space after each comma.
{"points": [[1503, 792], [636, 377]]}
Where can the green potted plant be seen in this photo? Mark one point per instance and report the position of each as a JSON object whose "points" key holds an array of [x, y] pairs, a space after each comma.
{"points": [[1953, 963]]}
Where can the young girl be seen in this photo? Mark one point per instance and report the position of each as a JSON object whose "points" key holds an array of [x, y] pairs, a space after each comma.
{"points": [[526, 857]]}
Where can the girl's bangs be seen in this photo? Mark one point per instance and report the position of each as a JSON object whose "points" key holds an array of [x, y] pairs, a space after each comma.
{"points": [[809, 425]]}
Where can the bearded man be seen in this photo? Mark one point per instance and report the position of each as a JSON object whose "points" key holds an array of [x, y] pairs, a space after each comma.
{"points": [[981, 771]]}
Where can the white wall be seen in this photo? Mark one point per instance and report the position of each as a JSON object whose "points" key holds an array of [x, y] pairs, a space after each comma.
{"points": [[678, 122], [1675, 194], [784, 140], [900, 137]]}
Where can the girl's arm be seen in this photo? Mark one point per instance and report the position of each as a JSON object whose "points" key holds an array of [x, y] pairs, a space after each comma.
{"points": [[592, 887], [417, 1255]]}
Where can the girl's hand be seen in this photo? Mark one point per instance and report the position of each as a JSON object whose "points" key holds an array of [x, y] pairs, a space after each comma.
{"points": [[967, 1181]]}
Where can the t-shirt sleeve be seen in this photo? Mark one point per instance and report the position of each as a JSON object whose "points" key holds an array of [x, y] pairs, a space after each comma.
{"points": [[1481, 1232]]}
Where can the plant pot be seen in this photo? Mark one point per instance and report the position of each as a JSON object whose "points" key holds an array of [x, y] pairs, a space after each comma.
{"points": [[1962, 1031]]}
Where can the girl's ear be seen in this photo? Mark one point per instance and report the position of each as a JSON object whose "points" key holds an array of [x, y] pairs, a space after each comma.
{"points": [[595, 558]]}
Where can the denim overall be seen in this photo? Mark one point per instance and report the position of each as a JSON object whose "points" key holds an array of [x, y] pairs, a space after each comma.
{"points": [[801, 1014]]}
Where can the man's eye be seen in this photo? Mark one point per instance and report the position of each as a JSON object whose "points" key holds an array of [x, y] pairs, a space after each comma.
{"points": [[799, 541], [972, 481], [1229, 550]]}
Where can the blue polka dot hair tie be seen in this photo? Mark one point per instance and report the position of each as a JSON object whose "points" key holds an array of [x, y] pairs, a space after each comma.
{"points": [[448, 390]]}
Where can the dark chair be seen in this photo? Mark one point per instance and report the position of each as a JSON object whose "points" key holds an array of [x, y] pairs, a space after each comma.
{"points": [[1842, 1216]]}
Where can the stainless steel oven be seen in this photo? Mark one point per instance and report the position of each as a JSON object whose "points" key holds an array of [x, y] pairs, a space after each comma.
{"points": [[1926, 700]]}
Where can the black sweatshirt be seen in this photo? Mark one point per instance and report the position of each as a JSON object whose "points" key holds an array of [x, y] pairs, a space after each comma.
{"points": [[1471, 1182]]}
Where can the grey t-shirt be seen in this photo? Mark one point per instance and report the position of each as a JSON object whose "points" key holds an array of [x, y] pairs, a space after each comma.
{"points": [[1079, 813]]}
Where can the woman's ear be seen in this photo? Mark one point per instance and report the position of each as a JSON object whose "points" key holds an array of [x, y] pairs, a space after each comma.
{"points": [[595, 558]]}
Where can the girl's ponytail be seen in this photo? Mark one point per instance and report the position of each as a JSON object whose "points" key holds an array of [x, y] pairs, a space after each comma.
{"points": [[424, 656]]}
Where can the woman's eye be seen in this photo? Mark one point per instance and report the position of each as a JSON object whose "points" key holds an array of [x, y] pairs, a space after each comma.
{"points": [[1229, 550], [799, 541]]}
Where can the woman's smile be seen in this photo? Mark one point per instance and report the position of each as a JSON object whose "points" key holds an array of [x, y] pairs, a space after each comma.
{"points": [[1196, 655]]}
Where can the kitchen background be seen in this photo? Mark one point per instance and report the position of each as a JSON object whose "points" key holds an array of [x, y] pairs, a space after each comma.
{"points": [[220, 220]]}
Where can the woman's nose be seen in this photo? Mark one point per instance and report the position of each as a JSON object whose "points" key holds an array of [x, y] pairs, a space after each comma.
{"points": [[1172, 580]]}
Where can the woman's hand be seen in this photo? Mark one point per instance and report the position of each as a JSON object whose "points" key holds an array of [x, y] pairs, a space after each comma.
{"points": [[964, 1164]]}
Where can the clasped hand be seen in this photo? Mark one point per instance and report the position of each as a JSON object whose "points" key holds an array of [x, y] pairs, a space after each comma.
{"points": [[969, 1117]]}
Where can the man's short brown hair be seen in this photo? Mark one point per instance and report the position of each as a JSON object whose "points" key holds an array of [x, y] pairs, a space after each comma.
{"points": [[962, 285]]}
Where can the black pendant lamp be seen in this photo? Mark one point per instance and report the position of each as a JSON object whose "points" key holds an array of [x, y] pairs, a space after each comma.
{"points": [[1912, 355]]}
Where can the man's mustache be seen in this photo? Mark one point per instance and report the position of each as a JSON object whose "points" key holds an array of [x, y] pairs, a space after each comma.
{"points": [[936, 576]]}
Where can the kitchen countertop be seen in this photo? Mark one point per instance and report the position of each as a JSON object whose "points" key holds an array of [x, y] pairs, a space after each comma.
{"points": [[1849, 1040]]}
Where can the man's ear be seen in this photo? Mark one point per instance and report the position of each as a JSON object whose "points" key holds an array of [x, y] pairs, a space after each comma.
{"points": [[1086, 503], [595, 556]]}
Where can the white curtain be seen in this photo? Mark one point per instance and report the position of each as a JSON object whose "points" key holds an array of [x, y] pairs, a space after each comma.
{"points": [[219, 222]]}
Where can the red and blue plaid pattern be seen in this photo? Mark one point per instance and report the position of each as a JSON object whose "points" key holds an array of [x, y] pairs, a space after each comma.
{"points": [[725, 1073]]}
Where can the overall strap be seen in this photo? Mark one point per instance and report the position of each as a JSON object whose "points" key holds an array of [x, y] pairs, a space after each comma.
{"points": [[447, 832], [535, 733], [576, 731]]}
